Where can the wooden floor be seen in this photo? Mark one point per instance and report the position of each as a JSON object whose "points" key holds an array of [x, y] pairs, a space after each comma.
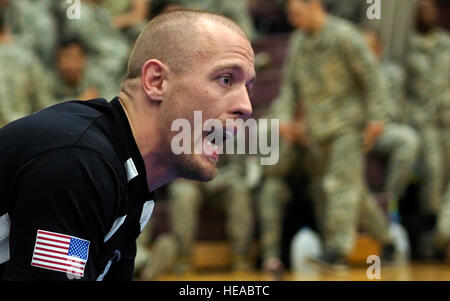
{"points": [[404, 272]]}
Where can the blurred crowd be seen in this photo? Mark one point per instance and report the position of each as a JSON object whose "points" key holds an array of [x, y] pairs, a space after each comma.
{"points": [[342, 104]]}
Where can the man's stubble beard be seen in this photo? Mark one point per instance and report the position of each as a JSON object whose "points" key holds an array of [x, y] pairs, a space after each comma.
{"points": [[188, 166]]}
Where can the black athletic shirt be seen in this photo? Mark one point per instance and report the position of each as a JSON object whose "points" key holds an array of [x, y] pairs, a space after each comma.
{"points": [[73, 194]]}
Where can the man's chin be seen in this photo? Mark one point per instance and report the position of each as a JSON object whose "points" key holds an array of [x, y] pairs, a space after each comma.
{"points": [[197, 168]]}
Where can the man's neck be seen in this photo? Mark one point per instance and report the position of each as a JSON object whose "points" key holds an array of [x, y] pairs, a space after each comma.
{"points": [[156, 161]]}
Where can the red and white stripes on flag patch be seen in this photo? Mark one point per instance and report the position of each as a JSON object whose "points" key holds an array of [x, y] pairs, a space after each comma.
{"points": [[55, 252]]}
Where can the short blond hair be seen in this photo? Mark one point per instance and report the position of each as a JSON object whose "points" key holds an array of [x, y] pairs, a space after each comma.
{"points": [[171, 38]]}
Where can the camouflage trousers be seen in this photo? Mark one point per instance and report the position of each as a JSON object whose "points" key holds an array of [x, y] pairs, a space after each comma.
{"points": [[401, 144], [185, 198], [432, 169], [443, 221], [337, 189], [271, 202], [445, 142]]}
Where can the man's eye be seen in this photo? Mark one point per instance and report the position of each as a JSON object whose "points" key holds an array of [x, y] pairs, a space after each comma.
{"points": [[226, 80]]}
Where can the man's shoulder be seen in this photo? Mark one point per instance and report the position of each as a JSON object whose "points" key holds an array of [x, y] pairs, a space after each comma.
{"points": [[69, 124]]}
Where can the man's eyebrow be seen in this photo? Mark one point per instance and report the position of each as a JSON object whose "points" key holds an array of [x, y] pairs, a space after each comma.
{"points": [[234, 67]]}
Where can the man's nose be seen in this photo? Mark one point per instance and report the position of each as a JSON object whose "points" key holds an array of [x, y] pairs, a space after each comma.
{"points": [[243, 106]]}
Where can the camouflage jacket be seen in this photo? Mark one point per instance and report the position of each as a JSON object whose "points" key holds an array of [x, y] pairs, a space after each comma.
{"points": [[428, 72], [334, 76]]}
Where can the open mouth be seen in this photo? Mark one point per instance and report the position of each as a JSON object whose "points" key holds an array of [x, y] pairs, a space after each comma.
{"points": [[213, 142]]}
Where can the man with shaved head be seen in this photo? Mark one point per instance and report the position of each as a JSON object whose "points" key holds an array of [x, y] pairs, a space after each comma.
{"points": [[78, 179]]}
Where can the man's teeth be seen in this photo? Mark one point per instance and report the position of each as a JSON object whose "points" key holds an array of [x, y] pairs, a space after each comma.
{"points": [[212, 145]]}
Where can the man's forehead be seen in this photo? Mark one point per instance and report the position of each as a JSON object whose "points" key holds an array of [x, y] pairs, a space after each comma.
{"points": [[219, 40]]}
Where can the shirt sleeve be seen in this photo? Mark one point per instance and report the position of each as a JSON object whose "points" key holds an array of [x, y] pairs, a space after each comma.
{"points": [[367, 72], [71, 196], [284, 106]]}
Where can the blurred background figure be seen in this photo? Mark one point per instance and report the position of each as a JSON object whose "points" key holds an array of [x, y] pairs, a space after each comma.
{"points": [[427, 89], [230, 187], [34, 26], [24, 86], [399, 142], [335, 80], [75, 77], [129, 16], [108, 47]]}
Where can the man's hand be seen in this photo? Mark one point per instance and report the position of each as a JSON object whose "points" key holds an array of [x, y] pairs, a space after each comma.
{"points": [[374, 129]]}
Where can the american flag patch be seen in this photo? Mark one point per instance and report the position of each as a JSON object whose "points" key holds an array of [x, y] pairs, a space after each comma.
{"points": [[62, 253]]}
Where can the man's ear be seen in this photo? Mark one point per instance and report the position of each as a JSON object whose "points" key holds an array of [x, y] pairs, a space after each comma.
{"points": [[153, 75]]}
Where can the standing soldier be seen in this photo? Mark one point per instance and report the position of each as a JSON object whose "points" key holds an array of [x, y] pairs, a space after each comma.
{"points": [[429, 61], [427, 89], [333, 78]]}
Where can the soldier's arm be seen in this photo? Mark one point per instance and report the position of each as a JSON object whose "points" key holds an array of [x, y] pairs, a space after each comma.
{"points": [[396, 78], [284, 106], [367, 72]]}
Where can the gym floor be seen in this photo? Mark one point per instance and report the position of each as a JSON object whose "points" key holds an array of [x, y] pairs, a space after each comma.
{"points": [[402, 272]]}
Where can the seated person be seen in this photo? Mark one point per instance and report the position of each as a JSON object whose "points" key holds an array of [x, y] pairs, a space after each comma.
{"points": [[74, 77]]}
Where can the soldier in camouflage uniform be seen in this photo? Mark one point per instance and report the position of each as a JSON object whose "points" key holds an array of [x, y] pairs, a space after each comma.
{"points": [[108, 48], [431, 49], [74, 77], [230, 185], [428, 86], [332, 76], [399, 141], [23, 81]]}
